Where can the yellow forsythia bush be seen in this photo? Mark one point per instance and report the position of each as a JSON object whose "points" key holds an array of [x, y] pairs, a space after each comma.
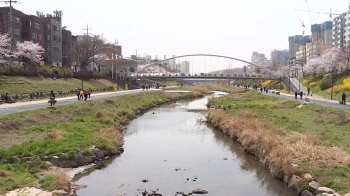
{"points": [[312, 84], [346, 83], [266, 83]]}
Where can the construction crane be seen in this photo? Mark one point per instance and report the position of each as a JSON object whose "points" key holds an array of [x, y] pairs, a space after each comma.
{"points": [[330, 13], [303, 25]]}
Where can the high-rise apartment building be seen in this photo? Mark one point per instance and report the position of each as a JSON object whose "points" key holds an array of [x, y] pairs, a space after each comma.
{"points": [[259, 59], [280, 57], [185, 67], [341, 30], [295, 42], [322, 32]]}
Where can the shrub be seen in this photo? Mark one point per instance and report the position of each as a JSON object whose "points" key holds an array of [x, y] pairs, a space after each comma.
{"points": [[312, 84], [346, 83], [325, 83]]}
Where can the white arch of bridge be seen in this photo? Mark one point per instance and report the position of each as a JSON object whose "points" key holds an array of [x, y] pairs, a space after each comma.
{"points": [[212, 55]]}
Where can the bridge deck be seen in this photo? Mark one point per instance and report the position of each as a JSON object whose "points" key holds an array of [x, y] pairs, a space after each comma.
{"points": [[205, 77]]}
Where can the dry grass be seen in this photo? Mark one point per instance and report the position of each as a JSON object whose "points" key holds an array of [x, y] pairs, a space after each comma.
{"points": [[281, 149], [111, 135], [2, 173], [99, 114], [106, 102], [62, 180], [54, 134]]}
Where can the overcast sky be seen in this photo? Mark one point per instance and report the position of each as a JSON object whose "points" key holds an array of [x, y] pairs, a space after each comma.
{"points": [[233, 28]]}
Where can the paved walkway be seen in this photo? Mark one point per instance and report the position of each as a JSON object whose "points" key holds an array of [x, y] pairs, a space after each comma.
{"points": [[6, 108], [313, 99]]}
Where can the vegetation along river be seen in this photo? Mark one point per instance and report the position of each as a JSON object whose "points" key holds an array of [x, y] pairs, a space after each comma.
{"points": [[171, 150]]}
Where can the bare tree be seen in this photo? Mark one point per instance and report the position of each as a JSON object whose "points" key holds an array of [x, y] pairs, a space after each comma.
{"points": [[86, 49]]}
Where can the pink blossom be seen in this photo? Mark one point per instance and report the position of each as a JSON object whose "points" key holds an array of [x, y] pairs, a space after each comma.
{"points": [[30, 51], [5, 45]]}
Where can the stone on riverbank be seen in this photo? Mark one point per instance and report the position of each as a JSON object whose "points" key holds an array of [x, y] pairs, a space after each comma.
{"points": [[325, 190], [313, 186], [98, 153], [306, 193]]}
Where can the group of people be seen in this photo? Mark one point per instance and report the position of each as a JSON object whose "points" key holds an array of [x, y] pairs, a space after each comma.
{"points": [[296, 93], [146, 87], [83, 94]]}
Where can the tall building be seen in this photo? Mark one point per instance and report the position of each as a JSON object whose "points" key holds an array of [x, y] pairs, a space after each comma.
{"points": [[295, 42], [53, 38], [33, 29], [185, 67], [171, 63], [322, 32], [280, 57], [5, 22], [341, 30], [68, 43], [259, 59]]}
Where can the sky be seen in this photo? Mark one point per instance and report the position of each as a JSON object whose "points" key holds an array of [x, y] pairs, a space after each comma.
{"points": [[232, 28]]}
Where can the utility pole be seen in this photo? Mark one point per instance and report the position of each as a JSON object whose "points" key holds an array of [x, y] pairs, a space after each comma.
{"points": [[11, 17], [87, 39], [113, 57], [304, 52]]}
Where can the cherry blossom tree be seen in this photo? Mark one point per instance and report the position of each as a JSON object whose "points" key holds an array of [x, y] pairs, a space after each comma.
{"points": [[331, 58], [313, 65], [29, 52], [5, 45]]}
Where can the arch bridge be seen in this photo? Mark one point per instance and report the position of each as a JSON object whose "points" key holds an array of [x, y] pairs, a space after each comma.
{"points": [[269, 76]]}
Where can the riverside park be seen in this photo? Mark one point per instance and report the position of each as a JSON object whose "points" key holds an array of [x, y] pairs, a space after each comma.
{"points": [[200, 139]]}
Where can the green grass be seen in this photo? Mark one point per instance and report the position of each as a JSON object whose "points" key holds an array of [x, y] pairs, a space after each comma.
{"points": [[23, 85], [66, 129], [337, 80], [332, 125]]}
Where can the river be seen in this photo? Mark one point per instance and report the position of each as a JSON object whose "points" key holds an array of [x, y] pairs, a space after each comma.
{"points": [[174, 151]]}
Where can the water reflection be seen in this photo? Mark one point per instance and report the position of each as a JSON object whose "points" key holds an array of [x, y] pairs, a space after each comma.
{"points": [[169, 145]]}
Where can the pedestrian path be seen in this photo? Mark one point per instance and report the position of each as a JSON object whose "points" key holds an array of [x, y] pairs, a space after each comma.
{"points": [[7, 108], [312, 99]]}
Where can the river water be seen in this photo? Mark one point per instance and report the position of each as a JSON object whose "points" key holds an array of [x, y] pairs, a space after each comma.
{"points": [[175, 151]]}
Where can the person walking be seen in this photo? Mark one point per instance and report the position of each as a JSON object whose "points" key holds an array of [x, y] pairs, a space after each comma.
{"points": [[89, 92], [52, 95], [296, 95], [78, 93], [85, 95], [143, 87], [301, 94], [343, 99], [308, 91], [82, 94]]}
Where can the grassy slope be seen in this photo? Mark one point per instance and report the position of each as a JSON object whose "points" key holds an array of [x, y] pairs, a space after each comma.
{"points": [[66, 129], [325, 93], [330, 125], [19, 85]]}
